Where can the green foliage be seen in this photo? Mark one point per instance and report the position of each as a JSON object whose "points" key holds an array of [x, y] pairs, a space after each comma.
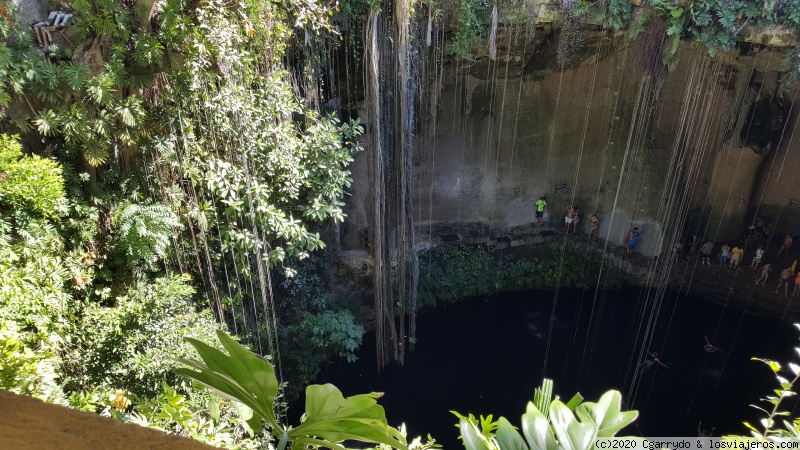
{"points": [[29, 183], [473, 20], [330, 418], [549, 424], [34, 264], [144, 233], [617, 13], [717, 23], [449, 273], [24, 371], [770, 428], [317, 325], [130, 344], [318, 338], [195, 414]]}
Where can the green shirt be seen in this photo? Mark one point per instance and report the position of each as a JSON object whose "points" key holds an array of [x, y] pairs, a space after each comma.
{"points": [[540, 204]]}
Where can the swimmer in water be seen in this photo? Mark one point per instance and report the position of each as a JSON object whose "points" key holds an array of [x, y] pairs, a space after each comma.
{"points": [[709, 347], [702, 432], [651, 360]]}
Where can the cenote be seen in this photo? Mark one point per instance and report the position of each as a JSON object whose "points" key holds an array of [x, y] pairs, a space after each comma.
{"points": [[486, 356]]}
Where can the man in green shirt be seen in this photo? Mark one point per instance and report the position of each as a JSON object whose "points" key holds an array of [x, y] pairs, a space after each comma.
{"points": [[540, 204]]}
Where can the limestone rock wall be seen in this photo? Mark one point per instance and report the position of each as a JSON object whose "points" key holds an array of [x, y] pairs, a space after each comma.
{"points": [[687, 152]]}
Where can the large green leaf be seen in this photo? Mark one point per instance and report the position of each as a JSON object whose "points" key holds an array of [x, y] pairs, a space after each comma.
{"points": [[606, 415], [472, 437], [242, 377], [508, 437], [571, 434], [331, 417], [536, 429]]}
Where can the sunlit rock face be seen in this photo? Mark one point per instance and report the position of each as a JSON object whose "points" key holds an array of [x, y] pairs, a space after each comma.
{"points": [[705, 148]]}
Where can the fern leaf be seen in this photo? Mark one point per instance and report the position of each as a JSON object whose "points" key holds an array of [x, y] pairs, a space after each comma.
{"points": [[47, 122]]}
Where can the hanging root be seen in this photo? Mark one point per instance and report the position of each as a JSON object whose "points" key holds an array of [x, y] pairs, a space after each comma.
{"points": [[493, 35], [650, 48], [570, 38]]}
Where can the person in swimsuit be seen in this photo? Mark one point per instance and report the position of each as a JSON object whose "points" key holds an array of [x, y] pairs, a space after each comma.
{"points": [[758, 225], [765, 270], [786, 277], [787, 244], [767, 235], [653, 359], [594, 224], [576, 217], [568, 212], [709, 347], [702, 432]]}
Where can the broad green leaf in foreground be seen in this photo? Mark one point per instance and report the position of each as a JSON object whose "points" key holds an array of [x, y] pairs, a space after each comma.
{"points": [[334, 418]]}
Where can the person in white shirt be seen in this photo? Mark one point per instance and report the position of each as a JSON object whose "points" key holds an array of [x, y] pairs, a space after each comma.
{"points": [[758, 258]]}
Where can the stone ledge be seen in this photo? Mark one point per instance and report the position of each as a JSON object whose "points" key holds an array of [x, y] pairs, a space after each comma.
{"points": [[29, 423]]}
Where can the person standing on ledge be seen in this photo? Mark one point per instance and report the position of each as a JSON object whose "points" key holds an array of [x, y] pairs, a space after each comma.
{"points": [[765, 270], [757, 260], [787, 244], [569, 211], [631, 238], [705, 252], [736, 256], [594, 224], [786, 277], [724, 254], [576, 217], [540, 204]]}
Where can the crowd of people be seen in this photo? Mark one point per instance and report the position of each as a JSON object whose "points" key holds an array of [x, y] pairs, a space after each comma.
{"points": [[707, 251]]}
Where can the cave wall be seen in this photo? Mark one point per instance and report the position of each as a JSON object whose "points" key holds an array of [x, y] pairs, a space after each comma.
{"points": [[607, 134]]}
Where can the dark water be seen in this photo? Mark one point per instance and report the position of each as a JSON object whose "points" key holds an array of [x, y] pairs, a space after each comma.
{"points": [[486, 356]]}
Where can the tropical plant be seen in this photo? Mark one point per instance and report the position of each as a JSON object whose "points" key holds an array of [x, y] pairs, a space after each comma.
{"points": [[29, 183], [24, 371], [125, 346], [550, 424], [769, 428], [330, 418], [319, 338], [473, 20], [144, 233], [193, 413]]}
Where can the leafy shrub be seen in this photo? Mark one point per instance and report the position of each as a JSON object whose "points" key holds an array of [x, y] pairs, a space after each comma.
{"points": [[330, 418], [549, 423], [318, 338], [29, 183], [132, 345], [25, 372], [449, 273], [195, 414]]}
